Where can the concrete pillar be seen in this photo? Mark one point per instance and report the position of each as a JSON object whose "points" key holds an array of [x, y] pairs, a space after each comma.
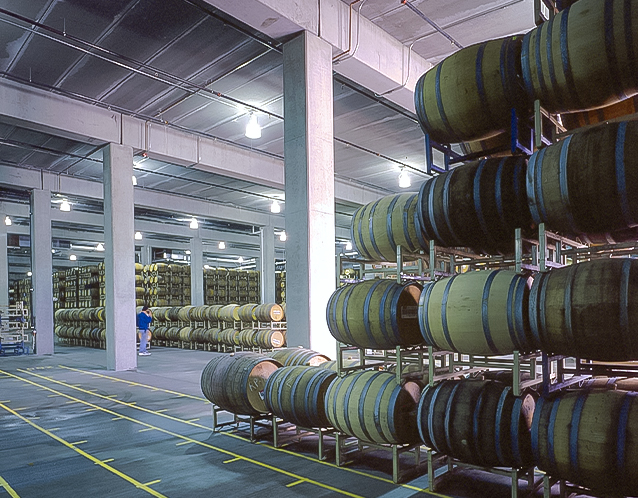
{"points": [[309, 174], [197, 271], [42, 268], [267, 263], [145, 255], [119, 258], [4, 264]]}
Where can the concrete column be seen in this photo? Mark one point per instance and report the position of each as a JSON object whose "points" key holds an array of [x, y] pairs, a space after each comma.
{"points": [[309, 175], [145, 255], [267, 264], [4, 264], [119, 258], [42, 268], [197, 271]]}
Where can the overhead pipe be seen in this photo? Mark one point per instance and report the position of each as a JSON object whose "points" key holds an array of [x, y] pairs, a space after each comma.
{"points": [[431, 22], [346, 53]]}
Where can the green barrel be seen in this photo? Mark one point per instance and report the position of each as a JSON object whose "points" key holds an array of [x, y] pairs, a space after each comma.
{"points": [[185, 333], [270, 338], [583, 58], [229, 313], [377, 314], [297, 395], [212, 312], [298, 357], [268, 312], [229, 337], [588, 310], [184, 314], [589, 438], [377, 228], [477, 422], [477, 205], [212, 336], [588, 182], [372, 407], [246, 337], [245, 312], [480, 312], [470, 95], [236, 382]]}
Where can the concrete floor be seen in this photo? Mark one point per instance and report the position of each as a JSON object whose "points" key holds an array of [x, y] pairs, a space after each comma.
{"points": [[70, 428]]}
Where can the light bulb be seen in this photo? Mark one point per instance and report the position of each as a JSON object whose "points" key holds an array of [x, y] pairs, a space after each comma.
{"points": [[404, 179], [206, 267], [348, 246], [99, 247], [194, 224], [65, 206], [29, 274], [283, 237], [7, 220], [240, 259], [138, 235], [73, 257], [275, 207], [253, 130], [188, 251], [222, 245], [134, 180]]}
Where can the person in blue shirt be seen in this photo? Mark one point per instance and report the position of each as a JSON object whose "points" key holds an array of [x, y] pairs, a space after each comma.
{"points": [[144, 319]]}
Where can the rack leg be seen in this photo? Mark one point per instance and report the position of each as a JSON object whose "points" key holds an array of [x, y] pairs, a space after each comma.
{"points": [[275, 432], [395, 463], [514, 483]]}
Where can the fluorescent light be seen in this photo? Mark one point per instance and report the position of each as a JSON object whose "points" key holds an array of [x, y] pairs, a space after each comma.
{"points": [[275, 207], [253, 130], [73, 257], [7, 220], [138, 235], [29, 274], [99, 247], [222, 245], [194, 224], [348, 246], [283, 237], [65, 206], [404, 179], [134, 180], [53, 251], [206, 267], [240, 259], [188, 251]]}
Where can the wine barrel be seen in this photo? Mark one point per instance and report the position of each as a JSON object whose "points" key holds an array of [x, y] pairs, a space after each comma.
{"points": [[589, 438], [184, 314], [477, 205], [212, 312], [381, 411], [270, 338], [575, 120], [185, 333], [478, 422], [587, 183], [236, 382], [289, 357], [378, 227], [297, 395], [245, 338], [377, 314], [268, 312], [332, 364], [496, 146], [228, 337], [470, 95], [587, 310], [229, 313], [173, 313], [245, 312], [481, 312], [583, 58], [212, 336]]}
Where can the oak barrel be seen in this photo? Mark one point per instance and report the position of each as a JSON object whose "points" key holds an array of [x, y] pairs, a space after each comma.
{"points": [[268, 312], [229, 313], [378, 227], [477, 205], [236, 382], [245, 312], [298, 357], [589, 438], [377, 314], [584, 57], [588, 182], [470, 95], [481, 312], [373, 407], [270, 338], [297, 395], [588, 310], [579, 119]]}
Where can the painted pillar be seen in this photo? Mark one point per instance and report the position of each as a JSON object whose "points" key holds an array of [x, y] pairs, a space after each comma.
{"points": [[267, 263], [197, 271], [4, 264]]}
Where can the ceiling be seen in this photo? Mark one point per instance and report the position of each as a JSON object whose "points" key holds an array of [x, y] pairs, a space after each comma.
{"points": [[193, 68]]}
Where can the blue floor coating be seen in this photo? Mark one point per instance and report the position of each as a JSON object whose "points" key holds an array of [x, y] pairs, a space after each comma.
{"points": [[150, 435]]}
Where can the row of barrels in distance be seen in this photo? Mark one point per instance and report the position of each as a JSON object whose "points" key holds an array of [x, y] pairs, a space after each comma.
{"points": [[587, 310], [247, 337], [584, 186], [476, 421], [268, 312], [584, 58]]}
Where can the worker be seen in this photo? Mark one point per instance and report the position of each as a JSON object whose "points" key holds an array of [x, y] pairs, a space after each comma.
{"points": [[144, 319]]}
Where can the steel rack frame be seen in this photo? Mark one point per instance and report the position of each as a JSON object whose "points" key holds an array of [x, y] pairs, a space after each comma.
{"points": [[293, 432], [253, 421]]}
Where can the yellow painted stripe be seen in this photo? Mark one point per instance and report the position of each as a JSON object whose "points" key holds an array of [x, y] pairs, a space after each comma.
{"points": [[78, 442], [127, 478], [231, 460], [228, 434], [147, 429], [117, 418], [4, 484], [52, 396], [90, 410], [183, 443], [108, 460], [152, 482], [7, 401], [20, 409], [193, 420], [200, 443], [294, 483], [54, 429], [162, 410]]}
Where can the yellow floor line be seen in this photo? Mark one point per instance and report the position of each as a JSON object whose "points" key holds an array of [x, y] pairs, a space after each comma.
{"points": [[152, 482], [183, 443], [186, 438], [84, 453], [231, 460], [4, 484], [78, 442], [147, 429], [108, 460], [294, 483]]}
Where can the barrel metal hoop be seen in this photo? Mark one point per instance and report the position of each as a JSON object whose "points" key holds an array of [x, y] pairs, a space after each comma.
{"points": [[498, 444], [391, 408], [537, 55], [477, 201], [361, 406], [573, 432], [550, 61], [571, 275], [406, 232], [292, 395], [498, 191], [419, 414], [420, 204], [363, 249], [526, 63], [371, 229], [514, 426], [377, 407], [485, 311], [431, 210], [510, 313], [439, 103], [431, 416], [623, 421], [446, 332], [508, 62], [621, 180], [446, 205], [625, 332], [518, 316], [312, 393], [539, 185], [531, 188], [424, 321], [563, 184], [346, 403], [536, 426], [534, 310], [550, 434], [384, 329], [394, 309], [419, 98], [541, 306], [344, 314], [610, 50], [480, 83], [388, 223], [417, 216], [564, 53], [448, 417], [476, 424], [366, 314]]}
